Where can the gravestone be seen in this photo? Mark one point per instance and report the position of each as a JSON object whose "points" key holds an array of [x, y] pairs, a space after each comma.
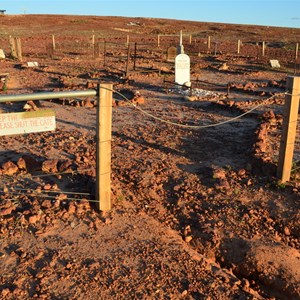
{"points": [[274, 63], [171, 54], [32, 64], [2, 55], [182, 69]]}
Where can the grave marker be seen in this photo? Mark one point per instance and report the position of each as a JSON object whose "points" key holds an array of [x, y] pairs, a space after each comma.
{"points": [[32, 64], [171, 54], [182, 68], [2, 55], [274, 63]]}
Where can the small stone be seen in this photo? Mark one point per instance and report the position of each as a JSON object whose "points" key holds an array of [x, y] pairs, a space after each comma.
{"points": [[188, 238], [33, 219], [71, 208], [184, 293], [139, 100], [286, 231], [50, 165], [5, 292], [6, 211], [46, 204], [47, 187], [9, 168], [21, 163]]}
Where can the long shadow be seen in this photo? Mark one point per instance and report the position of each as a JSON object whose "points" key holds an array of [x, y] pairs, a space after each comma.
{"points": [[76, 125]]}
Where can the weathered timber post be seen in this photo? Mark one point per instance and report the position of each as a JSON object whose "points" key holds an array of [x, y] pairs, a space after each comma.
{"points": [[263, 48], [93, 45], [158, 40], [103, 138], [190, 39], [296, 52], [53, 42], [135, 54], [19, 49], [127, 62], [239, 47], [127, 40], [13, 47], [104, 53], [289, 126], [208, 42]]}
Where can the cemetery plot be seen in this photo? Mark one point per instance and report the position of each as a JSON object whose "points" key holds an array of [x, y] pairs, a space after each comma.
{"points": [[193, 180]]}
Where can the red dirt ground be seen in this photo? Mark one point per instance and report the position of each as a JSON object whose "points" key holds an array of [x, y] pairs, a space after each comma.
{"points": [[198, 213]]}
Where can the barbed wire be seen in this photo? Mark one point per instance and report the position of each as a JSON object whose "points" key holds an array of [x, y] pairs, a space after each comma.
{"points": [[33, 193], [55, 191], [28, 175]]}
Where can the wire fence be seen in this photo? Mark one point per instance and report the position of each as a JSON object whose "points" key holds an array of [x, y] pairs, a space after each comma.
{"points": [[110, 50], [13, 187], [296, 157]]}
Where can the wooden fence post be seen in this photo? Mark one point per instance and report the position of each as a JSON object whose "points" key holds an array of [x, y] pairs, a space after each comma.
{"points": [[19, 49], [158, 40], [103, 138], [263, 48], [53, 42], [289, 127], [93, 46], [13, 47], [134, 58], [208, 42], [127, 62], [127, 40], [104, 53], [297, 48], [239, 47]]}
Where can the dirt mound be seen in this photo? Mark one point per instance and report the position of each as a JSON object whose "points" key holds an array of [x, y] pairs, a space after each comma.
{"points": [[274, 266]]}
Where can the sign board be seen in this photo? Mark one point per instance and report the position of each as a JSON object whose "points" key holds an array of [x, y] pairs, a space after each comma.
{"points": [[26, 122], [182, 68], [171, 54]]}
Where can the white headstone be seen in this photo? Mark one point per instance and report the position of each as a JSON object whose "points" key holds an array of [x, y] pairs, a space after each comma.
{"points": [[32, 64], [2, 55], [274, 63], [182, 68]]}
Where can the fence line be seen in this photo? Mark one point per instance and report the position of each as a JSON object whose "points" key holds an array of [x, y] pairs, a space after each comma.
{"points": [[289, 130], [103, 133]]}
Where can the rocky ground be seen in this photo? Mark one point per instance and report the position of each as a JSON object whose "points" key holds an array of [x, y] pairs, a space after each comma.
{"points": [[198, 212]]}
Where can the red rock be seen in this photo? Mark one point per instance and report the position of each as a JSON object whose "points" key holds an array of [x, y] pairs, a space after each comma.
{"points": [[33, 219], [64, 166], [47, 187], [5, 292], [46, 204], [9, 168], [21, 163], [220, 174], [139, 100], [6, 211], [71, 208], [50, 166]]}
